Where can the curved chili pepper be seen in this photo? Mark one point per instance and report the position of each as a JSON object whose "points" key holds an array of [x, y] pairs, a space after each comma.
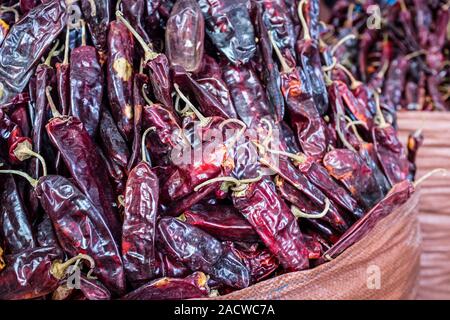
{"points": [[72, 140], [347, 167], [229, 27], [16, 229], [274, 223], [222, 222], [19, 54], [367, 152], [80, 228], [201, 252], [185, 48], [120, 76], [193, 286], [117, 174], [139, 226], [97, 14], [395, 82]]}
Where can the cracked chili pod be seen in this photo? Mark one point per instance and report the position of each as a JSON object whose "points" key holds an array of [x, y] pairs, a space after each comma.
{"points": [[120, 76], [229, 27], [139, 225], [274, 222], [26, 43], [191, 287], [185, 32], [201, 252]]}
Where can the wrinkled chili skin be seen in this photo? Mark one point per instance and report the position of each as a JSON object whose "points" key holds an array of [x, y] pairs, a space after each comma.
{"points": [[228, 25], [160, 81], [201, 252], [85, 165], [16, 229], [117, 174], [27, 274], [27, 5], [207, 103], [276, 225], [114, 144], [86, 83], [19, 53], [98, 23], [134, 11], [63, 86], [80, 228], [45, 234], [222, 222], [395, 82], [168, 267], [305, 118], [185, 48], [367, 152], [120, 76], [347, 167], [248, 94], [391, 154], [193, 286], [359, 110], [139, 226]]}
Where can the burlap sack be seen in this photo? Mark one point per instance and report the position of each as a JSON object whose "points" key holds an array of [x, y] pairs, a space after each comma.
{"points": [[383, 263], [434, 213]]}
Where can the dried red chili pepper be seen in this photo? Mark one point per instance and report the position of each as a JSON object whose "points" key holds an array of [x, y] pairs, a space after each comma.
{"points": [[72, 140], [45, 233], [2, 262], [114, 144], [20, 117], [395, 82], [97, 14], [158, 68], [218, 89], [168, 267], [63, 77], [117, 174], [16, 229], [222, 222], [347, 167], [415, 141], [139, 226], [229, 27], [201, 252], [27, 5], [193, 286], [86, 84], [185, 48], [134, 11], [19, 54], [260, 262], [33, 273], [120, 76], [275, 224], [209, 68]]}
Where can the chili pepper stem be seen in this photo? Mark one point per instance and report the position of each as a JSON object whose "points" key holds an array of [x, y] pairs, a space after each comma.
{"points": [[237, 183], [341, 134], [182, 217], [32, 181], [285, 68], [331, 66], [53, 108], [380, 116], [11, 9], [341, 42], [264, 149], [203, 120], [52, 53], [58, 269], [93, 8], [231, 143], [300, 214], [83, 32], [144, 136], [67, 46], [301, 15], [354, 83], [24, 151], [349, 21], [444, 173], [144, 95], [149, 53], [353, 125]]}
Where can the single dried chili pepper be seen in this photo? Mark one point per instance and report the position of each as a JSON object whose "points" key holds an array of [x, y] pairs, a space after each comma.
{"points": [[20, 117], [415, 141], [139, 226], [25, 44], [260, 262], [34, 273], [120, 76], [423, 19], [229, 27], [274, 223], [168, 267], [86, 83], [45, 233], [97, 14], [117, 174], [114, 144], [209, 68], [201, 252], [193, 286], [218, 89], [134, 11], [395, 82], [72, 140], [16, 229], [90, 289], [347, 167], [185, 48], [158, 68], [222, 222]]}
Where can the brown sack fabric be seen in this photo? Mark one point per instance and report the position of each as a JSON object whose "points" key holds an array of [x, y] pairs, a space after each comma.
{"points": [[434, 213], [384, 264]]}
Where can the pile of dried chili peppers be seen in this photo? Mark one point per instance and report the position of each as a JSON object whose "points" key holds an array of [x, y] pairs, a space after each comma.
{"points": [[401, 48], [182, 149]]}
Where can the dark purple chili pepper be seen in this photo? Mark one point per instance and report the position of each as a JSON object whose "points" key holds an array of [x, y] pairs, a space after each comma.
{"points": [[168, 267], [98, 14]]}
